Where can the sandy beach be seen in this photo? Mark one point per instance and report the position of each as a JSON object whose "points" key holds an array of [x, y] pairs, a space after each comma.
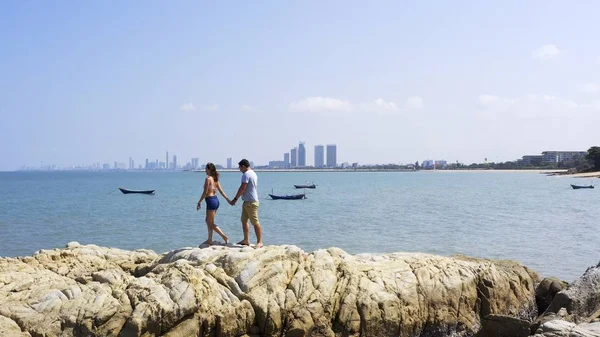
{"points": [[584, 175], [500, 171]]}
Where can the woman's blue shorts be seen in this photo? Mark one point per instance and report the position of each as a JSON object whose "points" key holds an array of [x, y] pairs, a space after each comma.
{"points": [[212, 203]]}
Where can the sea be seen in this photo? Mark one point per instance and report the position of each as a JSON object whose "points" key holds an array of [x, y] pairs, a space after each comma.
{"points": [[529, 217]]}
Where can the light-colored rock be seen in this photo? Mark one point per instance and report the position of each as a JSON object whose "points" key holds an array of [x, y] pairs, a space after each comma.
{"points": [[581, 300], [273, 291], [8, 327], [560, 328]]}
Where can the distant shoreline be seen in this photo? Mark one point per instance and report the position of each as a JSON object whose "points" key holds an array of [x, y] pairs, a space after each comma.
{"points": [[560, 171]]}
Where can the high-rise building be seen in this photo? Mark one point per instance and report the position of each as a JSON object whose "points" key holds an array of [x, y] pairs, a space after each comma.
{"points": [[301, 155], [286, 160], [229, 163], [331, 155], [147, 164], [115, 165], [174, 162], [294, 157], [319, 156], [167, 161]]}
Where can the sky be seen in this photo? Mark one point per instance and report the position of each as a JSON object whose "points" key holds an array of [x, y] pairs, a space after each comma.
{"points": [[387, 81]]}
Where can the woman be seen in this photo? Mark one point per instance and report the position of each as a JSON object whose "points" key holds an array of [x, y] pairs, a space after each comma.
{"points": [[211, 185]]}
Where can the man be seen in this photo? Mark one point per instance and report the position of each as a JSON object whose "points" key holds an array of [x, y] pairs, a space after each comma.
{"points": [[249, 192]]}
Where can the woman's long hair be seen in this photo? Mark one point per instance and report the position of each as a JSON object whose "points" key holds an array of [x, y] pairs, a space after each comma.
{"points": [[212, 171]]}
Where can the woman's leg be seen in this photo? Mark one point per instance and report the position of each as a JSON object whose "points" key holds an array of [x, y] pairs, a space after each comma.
{"points": [[210, 219], [217, 229]]}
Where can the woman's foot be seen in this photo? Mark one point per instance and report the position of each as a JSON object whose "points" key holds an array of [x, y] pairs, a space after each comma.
{"points": [[226, 239], [207, 242]]}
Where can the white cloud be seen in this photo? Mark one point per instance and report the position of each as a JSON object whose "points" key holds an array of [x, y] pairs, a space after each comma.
{"points": [[211, 107], [486, 101], [321, 104], [552, 101], [249, 108], [192, 107], [386, 105], [546, 52], [414, 102], [188, 107], [590, 88], [379, 105]]}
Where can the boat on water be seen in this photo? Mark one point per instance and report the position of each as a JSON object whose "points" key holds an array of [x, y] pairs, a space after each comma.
{"points": [[126, 191], [577, 187], [288, 197], [306, 186]]}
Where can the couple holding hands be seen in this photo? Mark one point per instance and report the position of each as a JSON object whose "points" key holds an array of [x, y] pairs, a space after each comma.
{"points": [[248, 192]]}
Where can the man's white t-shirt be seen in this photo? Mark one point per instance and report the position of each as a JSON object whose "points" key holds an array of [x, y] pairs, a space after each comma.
{"points": [[251, 193]]}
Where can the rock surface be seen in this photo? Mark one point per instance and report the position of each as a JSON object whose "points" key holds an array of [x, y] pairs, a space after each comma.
{"points": [[273, 291], [560, 328], [581, 299], [578, 303]]}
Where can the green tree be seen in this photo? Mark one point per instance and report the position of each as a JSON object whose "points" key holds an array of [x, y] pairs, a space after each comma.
{"points": [[581, 163], [593, 155]]}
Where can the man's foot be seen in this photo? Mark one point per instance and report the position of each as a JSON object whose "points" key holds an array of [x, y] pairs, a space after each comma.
{"points": [[244, 243], [258, 245]]}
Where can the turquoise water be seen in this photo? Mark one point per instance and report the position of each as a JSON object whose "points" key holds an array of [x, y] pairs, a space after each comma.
{"points": [[537, 220]]}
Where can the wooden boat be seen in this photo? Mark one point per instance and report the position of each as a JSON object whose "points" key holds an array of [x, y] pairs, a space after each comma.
{"points": [[126, 191], [306, 186], [576, 187], [288, 197]]}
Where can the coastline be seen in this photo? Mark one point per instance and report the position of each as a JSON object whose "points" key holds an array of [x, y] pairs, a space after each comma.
{"points": [[396, 170], [585, 175]]}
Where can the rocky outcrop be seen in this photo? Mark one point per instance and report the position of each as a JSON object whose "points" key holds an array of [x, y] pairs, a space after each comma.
{"points": [[273, 291], [581, 299], [560, 328], [546, 290], [573, 311], [504, 326]]}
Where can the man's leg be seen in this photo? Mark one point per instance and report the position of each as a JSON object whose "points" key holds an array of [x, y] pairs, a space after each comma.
{"points": [[253, 215], [245, 227]]}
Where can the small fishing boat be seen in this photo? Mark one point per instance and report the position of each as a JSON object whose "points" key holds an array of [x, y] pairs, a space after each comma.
{"points": [[577, 187], [288, 197], [126, 191], [306, 186]]}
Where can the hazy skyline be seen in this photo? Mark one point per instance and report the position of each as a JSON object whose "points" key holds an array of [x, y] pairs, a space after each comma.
{"points": [[388, 82]]}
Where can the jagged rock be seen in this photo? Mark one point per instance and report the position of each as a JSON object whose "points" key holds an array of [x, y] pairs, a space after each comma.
{"points": [[581, 299], [8, 327], [503, 326], [273, 291], [560, 328], [546, 290]]}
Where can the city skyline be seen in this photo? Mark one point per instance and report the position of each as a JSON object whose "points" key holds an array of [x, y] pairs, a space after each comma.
{"points": [[544, 158], [387, 82]]}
